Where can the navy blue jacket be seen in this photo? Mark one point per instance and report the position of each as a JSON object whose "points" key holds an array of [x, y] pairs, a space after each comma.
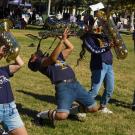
{"points": [[98, 54]]}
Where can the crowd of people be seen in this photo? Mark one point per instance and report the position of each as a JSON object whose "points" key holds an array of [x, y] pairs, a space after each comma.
{"points": [[67, 87], [21, 16]]}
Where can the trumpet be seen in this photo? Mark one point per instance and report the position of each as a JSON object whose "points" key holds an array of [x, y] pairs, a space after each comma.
{"points": [[8, 39]]}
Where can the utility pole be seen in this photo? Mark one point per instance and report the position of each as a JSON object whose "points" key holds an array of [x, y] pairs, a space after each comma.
{"points": [[49, 7]]}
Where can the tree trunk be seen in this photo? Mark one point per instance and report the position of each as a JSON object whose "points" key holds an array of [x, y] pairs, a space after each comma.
{"points": [[49, 6], [132, 21]]}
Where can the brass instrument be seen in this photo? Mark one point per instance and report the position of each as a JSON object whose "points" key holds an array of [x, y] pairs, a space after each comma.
{"points": [[54, 28], [110, 29], [8, 39]]}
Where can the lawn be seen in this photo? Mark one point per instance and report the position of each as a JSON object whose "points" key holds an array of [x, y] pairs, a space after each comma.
{"points": [[34, 92]]}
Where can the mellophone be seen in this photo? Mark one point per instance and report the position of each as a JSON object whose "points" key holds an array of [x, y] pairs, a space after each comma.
{"points": [[8, 39], [109, 28]]}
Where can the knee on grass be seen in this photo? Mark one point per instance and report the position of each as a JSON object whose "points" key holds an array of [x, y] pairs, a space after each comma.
{"points": [[61, 115], [93, 109]]}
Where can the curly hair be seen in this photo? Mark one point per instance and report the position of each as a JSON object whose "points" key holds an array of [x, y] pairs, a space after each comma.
{"points": [[35, 65], [82, 53], [89, 21]]}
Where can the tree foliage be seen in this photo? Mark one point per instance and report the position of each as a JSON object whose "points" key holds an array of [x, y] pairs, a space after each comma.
{"points": [[116, 4]]}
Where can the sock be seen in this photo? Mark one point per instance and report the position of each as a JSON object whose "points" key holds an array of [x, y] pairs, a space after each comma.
{"points": [[49, 114], [43, 114], [52, 114]]}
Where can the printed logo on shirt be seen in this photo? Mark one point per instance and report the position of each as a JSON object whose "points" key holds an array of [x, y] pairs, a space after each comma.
{"points": [[62, 64], [3, 80]]}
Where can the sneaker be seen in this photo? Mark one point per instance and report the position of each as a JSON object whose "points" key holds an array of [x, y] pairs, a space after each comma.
{"points": [[49, 114], [78, 116], [43, 115], [77, 112], [2, 132], [81, 117], [105, 110]]}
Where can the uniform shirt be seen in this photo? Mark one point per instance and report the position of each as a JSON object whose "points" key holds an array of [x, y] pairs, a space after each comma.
{"points": [[98, 54], [6, 95], [58, 71]]}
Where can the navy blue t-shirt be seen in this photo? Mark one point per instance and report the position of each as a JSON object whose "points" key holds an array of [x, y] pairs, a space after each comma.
{"points": [[58, 71], [6, 95], [98, 55]]}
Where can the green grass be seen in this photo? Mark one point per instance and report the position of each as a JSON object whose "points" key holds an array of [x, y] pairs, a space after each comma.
{"points": [[33, 93]]}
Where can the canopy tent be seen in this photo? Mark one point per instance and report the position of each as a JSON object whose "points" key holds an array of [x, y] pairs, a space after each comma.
{"points": [[19, 3], [26, 4], [15, 2]]}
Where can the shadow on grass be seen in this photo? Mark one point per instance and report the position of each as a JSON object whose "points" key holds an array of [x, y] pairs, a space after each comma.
{"points": [[26, 111], [32, 45], [117, 102], [32, 114], [47, 98]]}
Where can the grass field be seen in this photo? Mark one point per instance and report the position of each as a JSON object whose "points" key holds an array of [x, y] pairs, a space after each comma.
{"points": [[34, 92]]}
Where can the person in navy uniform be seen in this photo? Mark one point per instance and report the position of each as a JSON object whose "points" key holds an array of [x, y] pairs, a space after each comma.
{"points": [[9, 116], [100, 64], [68, 89]]}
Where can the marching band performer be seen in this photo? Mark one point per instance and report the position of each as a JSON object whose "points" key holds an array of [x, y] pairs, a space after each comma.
{"points": [[68, 89], [9, 116], [101, 63]]}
